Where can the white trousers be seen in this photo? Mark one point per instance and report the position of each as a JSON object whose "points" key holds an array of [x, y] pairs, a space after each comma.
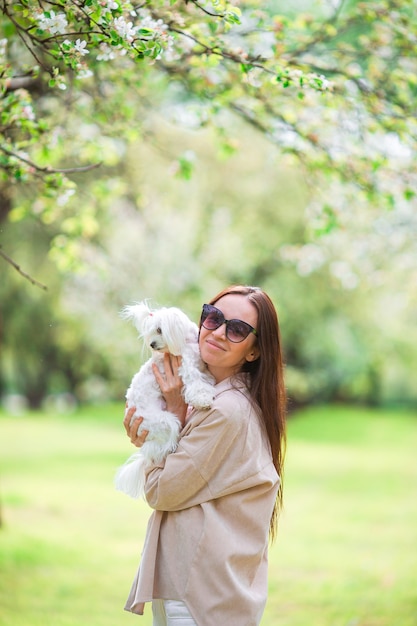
{"points": [[171, 613]]}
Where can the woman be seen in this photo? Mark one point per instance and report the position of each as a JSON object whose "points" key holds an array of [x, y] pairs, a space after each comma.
{"points": [[216, 499]]}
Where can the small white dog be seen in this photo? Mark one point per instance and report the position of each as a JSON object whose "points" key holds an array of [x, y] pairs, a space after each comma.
{"points": [[163, 330]]}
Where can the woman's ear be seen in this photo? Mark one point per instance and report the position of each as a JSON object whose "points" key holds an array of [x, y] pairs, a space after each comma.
{"points": [[252, 355]]}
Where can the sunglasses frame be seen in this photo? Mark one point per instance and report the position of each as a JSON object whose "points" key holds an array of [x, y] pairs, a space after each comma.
{"points": [[225, 321]]}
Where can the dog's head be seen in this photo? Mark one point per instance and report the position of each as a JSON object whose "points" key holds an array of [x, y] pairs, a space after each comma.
{"points": [[167, 329]]}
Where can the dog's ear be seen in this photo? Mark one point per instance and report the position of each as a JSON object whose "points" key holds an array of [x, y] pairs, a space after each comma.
{"points": [[137, 313], [177, 329]]}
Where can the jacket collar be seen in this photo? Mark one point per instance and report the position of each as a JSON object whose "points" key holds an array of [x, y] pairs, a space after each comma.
{"points": [[238, 381]]}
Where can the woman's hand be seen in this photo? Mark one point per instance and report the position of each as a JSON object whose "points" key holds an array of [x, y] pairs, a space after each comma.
{"points": [[171, 385], [132, 429]]}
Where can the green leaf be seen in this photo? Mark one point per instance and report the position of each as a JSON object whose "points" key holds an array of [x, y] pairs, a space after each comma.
{"points": [[232, 17], [146, 32]]}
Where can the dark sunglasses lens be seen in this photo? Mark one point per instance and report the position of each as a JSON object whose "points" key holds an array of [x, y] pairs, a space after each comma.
{"points": [[211, 317], [237, 331]]}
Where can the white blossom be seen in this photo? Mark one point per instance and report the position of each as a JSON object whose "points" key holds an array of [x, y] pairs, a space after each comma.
{"points": [[81, 47], [56, 23], [28, 113], [124, 29], [106, 52], [320, 81], [3, 46], [326, 84], [160, 33], [307, 258], [156, 25], [344, 273], [64, 197], [110, 5], [84, 72]]}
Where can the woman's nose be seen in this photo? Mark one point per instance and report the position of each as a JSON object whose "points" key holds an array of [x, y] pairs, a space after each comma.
{"points": [[220, 331]]}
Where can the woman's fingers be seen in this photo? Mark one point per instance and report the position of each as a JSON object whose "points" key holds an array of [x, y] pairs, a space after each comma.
{"points": [[129, 413], [171, 384], [170, 380], [172, 364], [139, 439], [132, 427]]}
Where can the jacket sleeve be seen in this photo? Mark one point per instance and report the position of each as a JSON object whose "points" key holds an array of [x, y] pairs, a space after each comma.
{"points": [[214, 458]]}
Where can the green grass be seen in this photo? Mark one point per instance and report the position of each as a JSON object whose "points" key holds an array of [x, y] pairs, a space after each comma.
{"points": [[346, 553]]}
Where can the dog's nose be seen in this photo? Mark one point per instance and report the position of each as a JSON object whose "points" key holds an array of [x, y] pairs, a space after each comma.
{"points": [[154, 345]]}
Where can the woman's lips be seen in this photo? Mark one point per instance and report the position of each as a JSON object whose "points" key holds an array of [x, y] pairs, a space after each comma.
{"points": [[213, 344]]}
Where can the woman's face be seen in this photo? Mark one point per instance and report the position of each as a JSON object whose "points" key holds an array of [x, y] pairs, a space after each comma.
{"points": [[223, 357]]}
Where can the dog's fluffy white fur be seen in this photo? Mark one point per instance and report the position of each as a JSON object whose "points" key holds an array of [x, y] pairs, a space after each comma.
{"points": [[163, 330]]}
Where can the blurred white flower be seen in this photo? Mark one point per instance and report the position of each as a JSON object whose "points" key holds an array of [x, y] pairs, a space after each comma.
{"points": [[125, 29], [344, 273], [64, 197], [28, 113], [311, 258], [160, 33], [81, 47], [3, 46], [106, 52], [84, 72], [307, 258], [110, 5], [54, 23]]}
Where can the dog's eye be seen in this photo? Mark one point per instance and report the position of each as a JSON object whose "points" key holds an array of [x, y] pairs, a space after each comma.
{"points": [[159, 331]]}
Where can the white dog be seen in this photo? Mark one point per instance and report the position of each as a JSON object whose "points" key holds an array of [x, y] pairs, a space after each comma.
{"points": [[163, 330]]}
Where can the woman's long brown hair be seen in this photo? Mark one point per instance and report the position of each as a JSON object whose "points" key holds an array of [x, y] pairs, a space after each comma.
{"points": [[267, 381]]}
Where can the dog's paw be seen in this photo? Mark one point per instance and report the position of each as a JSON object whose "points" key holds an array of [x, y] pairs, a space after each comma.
{"points": [[203, 399]]}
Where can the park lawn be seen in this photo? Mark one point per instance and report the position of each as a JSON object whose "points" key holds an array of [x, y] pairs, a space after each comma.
{"points": [[347, 550], [345, 554]]}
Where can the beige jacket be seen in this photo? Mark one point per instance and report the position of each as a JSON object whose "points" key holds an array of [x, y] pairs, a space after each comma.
{"points": [[207, 540]]}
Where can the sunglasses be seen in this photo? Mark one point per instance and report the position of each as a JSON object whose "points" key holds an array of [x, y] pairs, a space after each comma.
{"points": [[236, 330]]}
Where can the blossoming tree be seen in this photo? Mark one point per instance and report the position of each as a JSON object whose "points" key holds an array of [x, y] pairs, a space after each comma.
{"points": [[334, 90]]}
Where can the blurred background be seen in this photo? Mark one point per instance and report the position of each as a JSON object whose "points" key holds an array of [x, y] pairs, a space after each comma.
{"points": [[209, 175], [166, 178], [309, 195]]}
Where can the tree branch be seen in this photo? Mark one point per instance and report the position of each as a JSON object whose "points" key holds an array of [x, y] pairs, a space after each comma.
{"points": [[19, 30], [220, 15], [257, 61], [21, 272], [47, 169]]}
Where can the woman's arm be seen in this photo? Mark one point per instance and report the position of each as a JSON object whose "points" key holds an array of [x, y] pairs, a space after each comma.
{"points": [[221, 454]]}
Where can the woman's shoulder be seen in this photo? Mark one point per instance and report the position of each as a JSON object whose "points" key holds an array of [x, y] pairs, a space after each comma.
{"points": [[233, 417], [232, 394], [232, 408]]}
